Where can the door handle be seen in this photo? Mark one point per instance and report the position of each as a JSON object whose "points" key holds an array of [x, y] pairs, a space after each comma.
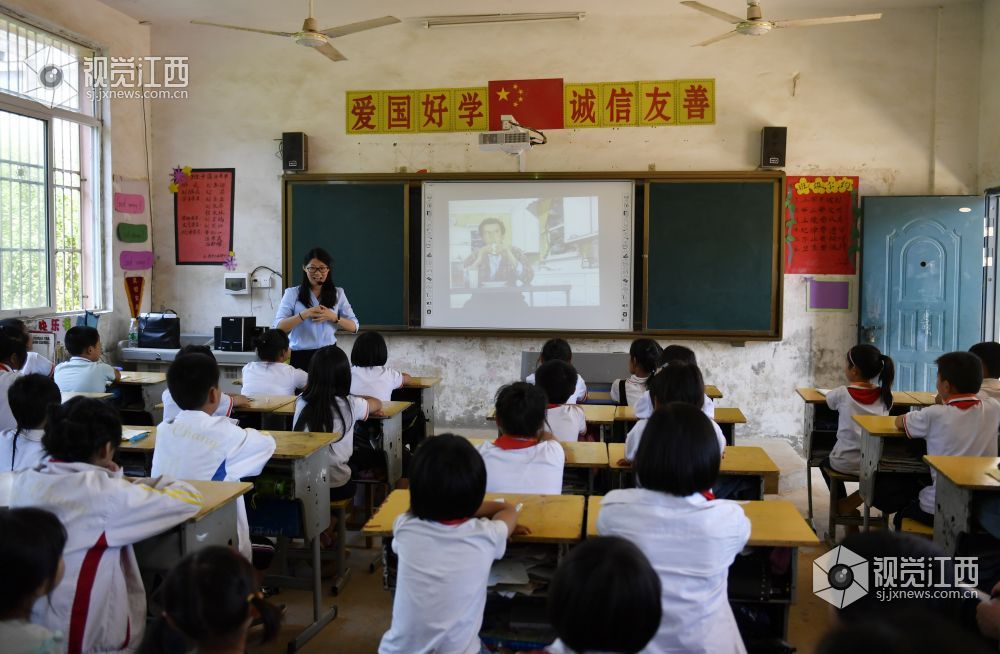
{"points": [[870, 333]]}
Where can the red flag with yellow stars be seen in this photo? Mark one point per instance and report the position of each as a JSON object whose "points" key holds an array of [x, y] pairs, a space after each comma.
{"points": [[536, 103]]}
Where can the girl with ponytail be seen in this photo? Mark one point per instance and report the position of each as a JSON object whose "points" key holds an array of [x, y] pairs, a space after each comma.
{"points": [[643, 355]]}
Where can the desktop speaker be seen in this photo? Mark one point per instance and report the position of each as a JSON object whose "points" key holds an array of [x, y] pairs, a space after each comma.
{"points": [[294, 151], [237, 333], [772, 147]]}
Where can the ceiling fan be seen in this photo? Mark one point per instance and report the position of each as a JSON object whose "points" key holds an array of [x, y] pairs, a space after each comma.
{"points": [[755, 25], [317, 39]]}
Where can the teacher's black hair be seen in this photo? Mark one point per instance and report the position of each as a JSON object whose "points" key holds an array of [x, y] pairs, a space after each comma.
{"points": [[328, 291], [30, 551], [326, 391]]}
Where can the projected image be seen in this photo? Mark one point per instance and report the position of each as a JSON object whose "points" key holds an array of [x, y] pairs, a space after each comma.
{"points": [[534, 252]]}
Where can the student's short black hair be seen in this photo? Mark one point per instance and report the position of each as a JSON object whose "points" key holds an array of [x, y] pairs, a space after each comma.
{"points": [[605, 597], [646, 353], [447, 479], [369, 350], [30, 397], [271, 345], [903, 632], [678, 453], [989, 353], [677, 382], [556, 349], [520, 409], [30, 550], [76, 430], [677, 353], [11, 348], [190, 378], [557, 379], [963, 370], [196, 349], [14, 327], [81, 337]]}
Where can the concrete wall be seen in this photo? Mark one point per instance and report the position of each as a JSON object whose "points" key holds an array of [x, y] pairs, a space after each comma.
{"points": [[989, 114]]}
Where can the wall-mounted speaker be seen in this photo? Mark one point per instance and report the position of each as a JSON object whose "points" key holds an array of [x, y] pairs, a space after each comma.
{"points": [[294, 151], [772, 147]]}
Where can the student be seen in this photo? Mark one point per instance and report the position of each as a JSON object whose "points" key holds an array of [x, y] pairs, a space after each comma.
{"points": [[226, 402], [963, 425], [210, 600], [567, 422], [446, 544], [31, 566], [557, 349], [12, 357], [643, 355], [916, 631], [328, 406], [100, 604], [271, 375], [370, 377], [989, 354], [30, 398], [198, 445], [35, 363], [524, 459], [84, 372], [605, 597], [690, 538], [644, 406]]}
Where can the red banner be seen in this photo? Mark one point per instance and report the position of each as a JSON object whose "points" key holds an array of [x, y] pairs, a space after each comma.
{"points": [[822, 234], [536, 103], [133, 291]]}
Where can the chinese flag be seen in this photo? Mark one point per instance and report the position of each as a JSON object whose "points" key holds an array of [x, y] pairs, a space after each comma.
{"points": [[534, 103]]}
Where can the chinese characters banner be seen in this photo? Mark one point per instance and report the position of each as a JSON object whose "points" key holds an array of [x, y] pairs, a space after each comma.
{"points": [[203, 216], [822, 234], [427, 110]]}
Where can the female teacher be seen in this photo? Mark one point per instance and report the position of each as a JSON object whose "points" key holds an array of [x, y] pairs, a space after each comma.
{"points": [[312, 312]]}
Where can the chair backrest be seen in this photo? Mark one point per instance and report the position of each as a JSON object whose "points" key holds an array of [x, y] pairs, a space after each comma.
{"points": [[596, 367]]}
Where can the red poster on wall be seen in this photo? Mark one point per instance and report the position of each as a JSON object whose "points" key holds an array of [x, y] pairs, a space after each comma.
{"points": [[822, 233], [203, 215]]}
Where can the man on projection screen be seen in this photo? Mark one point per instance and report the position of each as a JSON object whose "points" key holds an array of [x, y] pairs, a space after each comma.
{"points": [[496, 261]]}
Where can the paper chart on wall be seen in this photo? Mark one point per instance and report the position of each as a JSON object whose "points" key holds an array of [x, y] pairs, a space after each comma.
{"points": [[131, 243]]}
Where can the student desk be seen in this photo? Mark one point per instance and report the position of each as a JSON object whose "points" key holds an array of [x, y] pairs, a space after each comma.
{"points": [[605, 396], [67, 396], [419, 391], [885, 448], [726, 417], [269, 404], [579, 454], [603, 415], [922, 398], [959, 480], [149, 385]]}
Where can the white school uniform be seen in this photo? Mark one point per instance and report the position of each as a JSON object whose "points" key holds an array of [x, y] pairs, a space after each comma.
{"points": [[850, 401], [7, 377], [990, 388], [170, 408], [100, 604], [644, 407], [635, 387], [441, 584], [353, 409], [579, 395], [690, 542], [375, 381], [566, 421], [36, 364], [23, 637], [79, 375], [195, 445], [965, 426], [634, 437], [23, 452], [272, 378], [523, 465]]}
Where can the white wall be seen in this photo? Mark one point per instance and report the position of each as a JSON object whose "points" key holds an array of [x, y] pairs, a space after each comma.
{"points": [[866, 104], [989, 115]]}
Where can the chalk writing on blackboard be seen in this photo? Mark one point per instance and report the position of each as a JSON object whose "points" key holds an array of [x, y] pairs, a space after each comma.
{"points": [[203, 216]]}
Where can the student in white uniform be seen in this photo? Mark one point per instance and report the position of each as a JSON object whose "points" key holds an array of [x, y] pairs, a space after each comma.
{"points": [[644, 406], [31, 566], [84, 372], [446, 544], [524, 459], [197, 445], [30, 398], [35, 363], [100, 605], [226, 403], [12, 357], [566, 422], [370, 377], [604, 597], [328, 406], [690, 538], [963, 425], [989, 354], [557, 349], [271, 375], [643, 355]]}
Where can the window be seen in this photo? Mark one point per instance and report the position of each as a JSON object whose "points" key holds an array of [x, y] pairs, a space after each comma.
{"points": [[51, 228]]}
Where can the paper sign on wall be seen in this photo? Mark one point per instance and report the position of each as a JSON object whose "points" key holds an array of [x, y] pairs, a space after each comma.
{"points": [[129, 260], [129, 203], [203, 216], [822, 235], [128, 233]]}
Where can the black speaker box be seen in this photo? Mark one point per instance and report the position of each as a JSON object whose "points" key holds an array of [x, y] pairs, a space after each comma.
{"points": [[294, 151], [237, 333], [772, 147]]}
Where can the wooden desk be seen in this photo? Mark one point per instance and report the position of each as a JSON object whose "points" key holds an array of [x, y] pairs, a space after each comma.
{"points": [[419, 391], [551, 518], [713, 392], [67, 396], [726, 417], [146, 387], [268, 404], [959, 480], [885, 448], [739, 461], [134, 378], [922, 398], [899, 398]]}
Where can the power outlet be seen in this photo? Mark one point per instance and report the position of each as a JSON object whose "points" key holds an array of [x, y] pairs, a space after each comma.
{"points": [[263, 280]]}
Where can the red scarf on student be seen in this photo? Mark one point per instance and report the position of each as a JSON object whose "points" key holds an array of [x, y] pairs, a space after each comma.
{"points": [[964, 402], [865, 395], [456, 521], [507, 442]]}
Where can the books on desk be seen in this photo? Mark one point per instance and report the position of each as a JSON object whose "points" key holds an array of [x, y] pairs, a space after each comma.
{"points": [[134, 435]]}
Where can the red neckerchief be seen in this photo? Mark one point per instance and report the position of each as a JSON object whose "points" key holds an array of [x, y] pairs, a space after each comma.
{"points": [[6, 368], [456, 521], [506, 442], [553, 406], [708, 495], [865, 395], [964, 402]]}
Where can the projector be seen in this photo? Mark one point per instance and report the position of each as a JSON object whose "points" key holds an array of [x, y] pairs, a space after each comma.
{"points": [[512, 142]]}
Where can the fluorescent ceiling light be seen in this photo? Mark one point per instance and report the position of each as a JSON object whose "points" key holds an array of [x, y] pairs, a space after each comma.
{"points": [[476, 19], [965, 210]]}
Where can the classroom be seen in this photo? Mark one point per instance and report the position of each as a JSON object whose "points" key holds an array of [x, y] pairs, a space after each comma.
{"points": [[803, 212]]}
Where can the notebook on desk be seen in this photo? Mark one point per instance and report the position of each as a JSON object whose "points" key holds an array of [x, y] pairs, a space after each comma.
{"points": [[134, 435]]}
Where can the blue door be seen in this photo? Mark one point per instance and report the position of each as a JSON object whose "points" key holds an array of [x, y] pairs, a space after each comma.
{"points": [[921, 281]]}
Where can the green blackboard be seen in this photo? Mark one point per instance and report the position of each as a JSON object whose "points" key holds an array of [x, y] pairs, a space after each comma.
{"points": [[364, 226], [713, 258]]}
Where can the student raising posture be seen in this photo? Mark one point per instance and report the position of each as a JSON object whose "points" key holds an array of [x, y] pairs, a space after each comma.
{"points": [[328, 406], [12, 356], [989, 354], [35, 363], [446, 544], [524, 459], [31, 566], [690, 538], [671, 353], [30, 398], [643, 356], [557, 349], [370, 377], [84, 372], [271, 375], [198, 445], [100, 604], [567, 422], [226, 402]]}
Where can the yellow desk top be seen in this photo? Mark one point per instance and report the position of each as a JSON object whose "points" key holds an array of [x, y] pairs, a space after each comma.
{"points": [[146, 444], [422, 382], [66, 397], [881, 426], [739, 460], [922, 398], [899, 398], [593, 510], [967, 471], [713, 392], [132, 377], [217, 494], [579, 454], [599, 396], [551, 518], [289, 444], [267, 404], [596, 414], [723, 415], [391, 408]]}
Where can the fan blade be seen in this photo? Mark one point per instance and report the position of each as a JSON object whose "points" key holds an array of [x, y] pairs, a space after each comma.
{"points": [[809, 22], [330, 52], [718, 38], [712, 11], [243, 29], [360, 26]]}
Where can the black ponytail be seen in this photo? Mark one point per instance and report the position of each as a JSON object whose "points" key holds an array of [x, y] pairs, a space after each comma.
{"points": [[30, 397], [271, 345], [646, 354], [885, 379], [871, 363], [79, 428]]}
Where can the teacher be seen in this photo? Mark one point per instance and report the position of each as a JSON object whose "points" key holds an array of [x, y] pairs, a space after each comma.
{"points": [[312, 312]]}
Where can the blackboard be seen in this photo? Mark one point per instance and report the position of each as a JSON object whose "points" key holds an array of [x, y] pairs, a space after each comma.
{"points": [[713, 257], [365, 227]]}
